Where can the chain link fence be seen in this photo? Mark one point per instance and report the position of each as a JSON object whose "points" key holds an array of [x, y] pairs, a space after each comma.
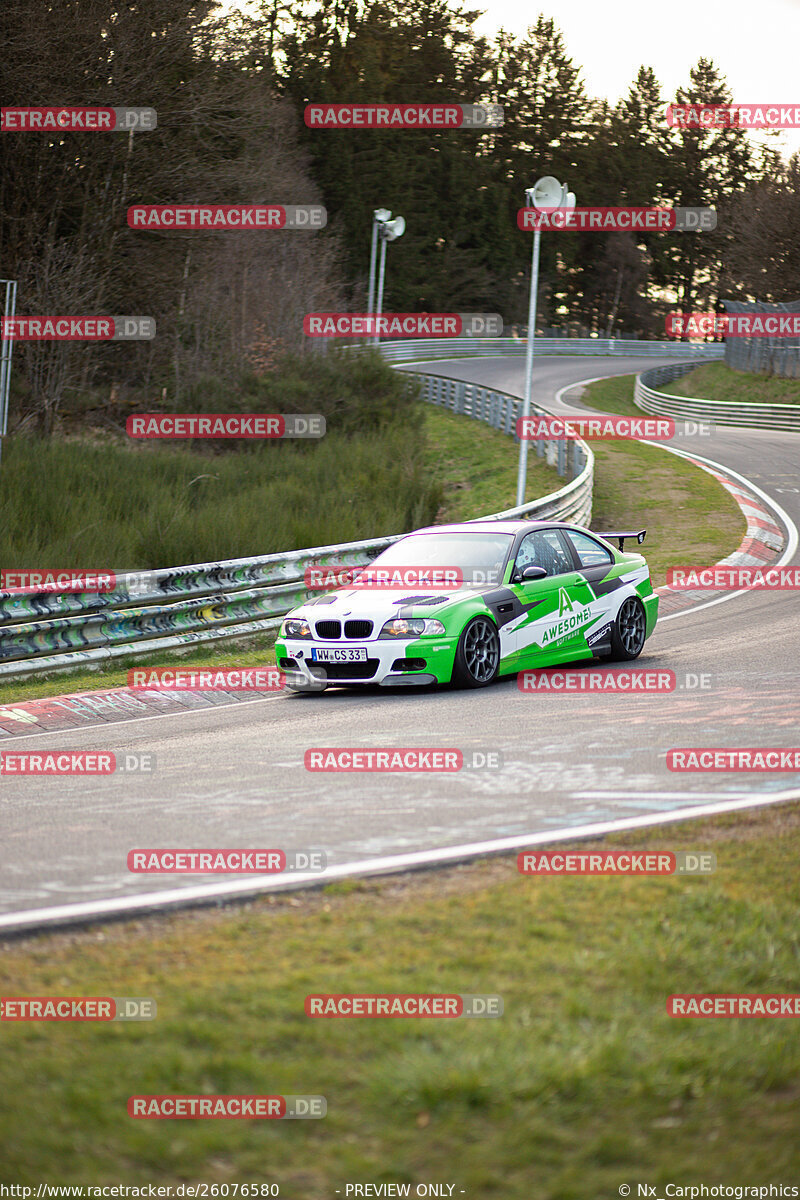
{"points": [[763, 355]]}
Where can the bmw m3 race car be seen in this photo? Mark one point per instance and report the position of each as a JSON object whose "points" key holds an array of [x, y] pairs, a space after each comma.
{"points": [[467, 603]]}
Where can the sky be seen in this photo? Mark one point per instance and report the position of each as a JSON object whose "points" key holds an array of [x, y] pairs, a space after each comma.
{"points": [[756, 46]]}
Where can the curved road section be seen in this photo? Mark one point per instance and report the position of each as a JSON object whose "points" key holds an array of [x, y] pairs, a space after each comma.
{"points": [[544, 766]]}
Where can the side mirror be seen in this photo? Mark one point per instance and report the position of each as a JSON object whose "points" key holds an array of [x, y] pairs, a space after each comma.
{"points": [[528, 574]]}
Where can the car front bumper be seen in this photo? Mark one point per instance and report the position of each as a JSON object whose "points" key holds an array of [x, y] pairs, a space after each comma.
{"points": [[402, 663]]}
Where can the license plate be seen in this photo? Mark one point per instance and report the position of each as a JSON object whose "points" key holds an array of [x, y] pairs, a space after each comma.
{"points": [[339, 654]]}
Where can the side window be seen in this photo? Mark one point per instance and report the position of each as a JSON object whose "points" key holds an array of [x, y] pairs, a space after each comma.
{"points": [[544, 548], [590, 552]]}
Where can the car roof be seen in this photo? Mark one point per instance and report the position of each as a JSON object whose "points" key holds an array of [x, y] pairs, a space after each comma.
{"points": [[488, 526]]}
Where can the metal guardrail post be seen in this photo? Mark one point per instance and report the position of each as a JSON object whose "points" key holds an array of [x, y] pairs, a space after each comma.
{"points": [[460, 398]]}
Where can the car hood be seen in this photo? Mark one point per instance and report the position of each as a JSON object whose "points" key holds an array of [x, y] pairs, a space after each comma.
{"points": [[381, 604]]}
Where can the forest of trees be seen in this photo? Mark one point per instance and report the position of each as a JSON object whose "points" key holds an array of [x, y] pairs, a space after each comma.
{"points": [[230, 89]]}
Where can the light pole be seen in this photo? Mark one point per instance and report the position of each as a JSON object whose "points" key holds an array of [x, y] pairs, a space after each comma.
{"points": [[388, 232], [546, 193], [379, 217], [6, 346]]}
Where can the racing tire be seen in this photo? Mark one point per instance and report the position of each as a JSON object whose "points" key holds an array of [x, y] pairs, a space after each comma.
{"points": [[477, 660], [629, 631]]}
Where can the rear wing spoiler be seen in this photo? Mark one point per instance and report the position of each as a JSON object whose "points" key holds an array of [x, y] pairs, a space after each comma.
{"points": [[639, 534]]}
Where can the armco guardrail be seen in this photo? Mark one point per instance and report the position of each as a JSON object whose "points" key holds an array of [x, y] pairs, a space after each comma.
{"points": [[180, 606], [720, 412], [501, 410], [424, 349]]}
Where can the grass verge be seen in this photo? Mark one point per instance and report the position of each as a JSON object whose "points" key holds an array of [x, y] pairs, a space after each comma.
{"points": [[584, 1084], [476, 467], [690, 518], [715, 381], [108, 505], [254, 651]]}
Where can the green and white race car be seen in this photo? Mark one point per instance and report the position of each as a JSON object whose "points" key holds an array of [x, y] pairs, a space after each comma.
{"points": [[467, 603]]}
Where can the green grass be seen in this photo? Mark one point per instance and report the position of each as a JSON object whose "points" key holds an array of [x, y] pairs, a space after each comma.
{"points": [[715, 381], [105, 504], [90, 497], [476, 466], [255, 650], [690, 519], [611, 395], [100, 502], [582, 1085]]}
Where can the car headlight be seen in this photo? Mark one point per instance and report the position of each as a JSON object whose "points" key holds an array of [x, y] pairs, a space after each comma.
{"points": [[295, 627], [399, 627]]}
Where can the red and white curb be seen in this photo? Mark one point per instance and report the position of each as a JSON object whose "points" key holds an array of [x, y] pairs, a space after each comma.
{"points": [[81, 710], [763, 543]]}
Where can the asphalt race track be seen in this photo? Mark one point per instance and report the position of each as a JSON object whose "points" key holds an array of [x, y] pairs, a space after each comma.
{"points": [[234, 776]]}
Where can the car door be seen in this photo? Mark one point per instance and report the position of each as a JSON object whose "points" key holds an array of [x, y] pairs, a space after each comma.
{"points": [[555, 607], [596, 564]]}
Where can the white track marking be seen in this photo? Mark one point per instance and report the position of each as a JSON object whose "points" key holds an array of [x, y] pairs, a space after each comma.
{"points": [[581, 383], [791, 529], [92, 910]]}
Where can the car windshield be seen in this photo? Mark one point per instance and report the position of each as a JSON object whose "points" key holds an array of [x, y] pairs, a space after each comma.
{"points": [[479, 557]]}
